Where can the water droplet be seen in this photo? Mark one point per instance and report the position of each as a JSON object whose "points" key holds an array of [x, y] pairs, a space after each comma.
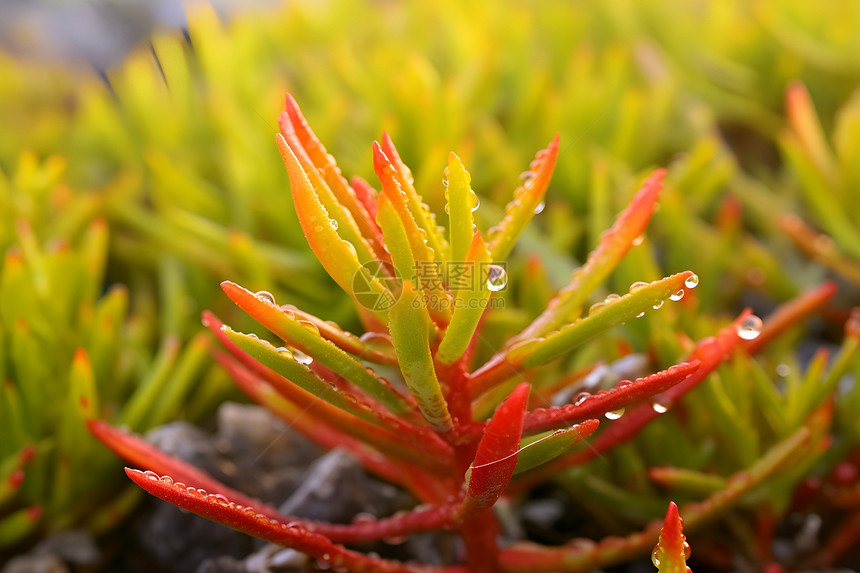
{"points": [[641, 314], [783, 370], [218, 498], [654, 558], [522, 348], [375, 339], [596, 307], [660, 405], [677, 296], [611, 297], [525, 176], [658, 305], [302, 358], [687, 550], [692, 281], [364, 517], [614, 414], [580, 398], [445, 178], [638, 240], [265, 296], [309, 326], [497, 278], [150, 475], [333, 224], [167, 479], [750, 328], [447, 209], [540, 207], [637, 285], [477, 203], [623, 384]]}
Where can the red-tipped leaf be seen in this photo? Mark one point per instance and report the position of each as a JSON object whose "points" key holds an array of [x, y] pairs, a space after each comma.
{"points": [[496, 457], [670, 554]]}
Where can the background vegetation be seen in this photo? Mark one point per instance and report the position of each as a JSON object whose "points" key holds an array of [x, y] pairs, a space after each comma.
{"points": [[128, 194]]}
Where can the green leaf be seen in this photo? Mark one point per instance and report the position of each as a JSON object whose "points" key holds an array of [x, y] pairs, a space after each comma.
{"points": [[541, 448], [424, 218], [396, 239], [191, 363], [614, 244], [806, 126], [304, 336], [461, 202], [527, 200], [411, 329], [687, 481], [330, 173], [616, 311], [821, 197], [426, 270], [18, 525], [152, 385], [284, 362], [470, 300], [341, 258]]}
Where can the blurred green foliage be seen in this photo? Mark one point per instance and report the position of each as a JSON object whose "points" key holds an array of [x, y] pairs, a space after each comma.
{"points": [[161, 176]]}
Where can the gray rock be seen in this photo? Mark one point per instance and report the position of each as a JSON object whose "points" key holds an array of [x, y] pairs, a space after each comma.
{"points": [[253, 452], [181, 541], [222, 565], [36, 564], [251, 437], [276, 559], [336, 489], [74, 547]]}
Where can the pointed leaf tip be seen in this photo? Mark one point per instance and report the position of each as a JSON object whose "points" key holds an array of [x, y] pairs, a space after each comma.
{"points": [[380, 159], [496, 457], [290, 104], [671, 552], [526, 202]]}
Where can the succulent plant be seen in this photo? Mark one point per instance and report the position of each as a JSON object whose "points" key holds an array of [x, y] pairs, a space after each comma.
{"points": [[460, 431], [159, 174], [825, 179], [71, 351]]}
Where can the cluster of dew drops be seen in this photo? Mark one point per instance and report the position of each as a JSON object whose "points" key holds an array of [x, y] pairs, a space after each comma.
{"points": [[294, 353], [217, 498], [749, 329], [691, 281], [655, 555]]}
